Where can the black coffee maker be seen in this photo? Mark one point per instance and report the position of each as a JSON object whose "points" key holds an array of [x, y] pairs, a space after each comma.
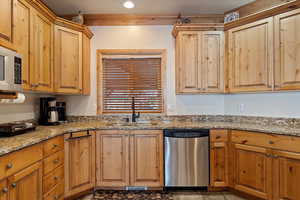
{"points": [[48, 111]]}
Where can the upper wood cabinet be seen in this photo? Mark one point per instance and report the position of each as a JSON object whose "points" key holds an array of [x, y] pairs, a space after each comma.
{"points": [[251, 57], [21, 32], [6, 24], [146, 158], [79, 162], [287, 51], [68, 60], [41, 53], [199, 62]]}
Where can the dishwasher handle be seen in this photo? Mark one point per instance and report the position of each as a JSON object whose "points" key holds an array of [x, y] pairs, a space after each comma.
{"points": [[186, 133]]}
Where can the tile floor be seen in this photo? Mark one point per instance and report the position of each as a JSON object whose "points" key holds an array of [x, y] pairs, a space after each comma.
{"points": [[122, 195]]}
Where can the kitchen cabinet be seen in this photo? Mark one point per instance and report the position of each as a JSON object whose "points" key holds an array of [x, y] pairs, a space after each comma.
{"points": [[251, 57], [68, 61], [286, 175], [253, 170], [129, 158], [79, 162], [41, 53], [21, 34], [3, 190], [219, 158], [6, 24], [199, 62], [287, 52], [26, 184], [146, 158], [112, 159]]}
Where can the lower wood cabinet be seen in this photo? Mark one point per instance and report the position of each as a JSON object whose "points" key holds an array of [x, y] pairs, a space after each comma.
{"points": [[286, 175], [129, 158], [253, 170], [26, 184], [79, 162], [219, 158]]}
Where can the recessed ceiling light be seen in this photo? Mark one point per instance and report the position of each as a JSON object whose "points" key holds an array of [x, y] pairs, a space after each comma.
{"points": [[128, 4]]}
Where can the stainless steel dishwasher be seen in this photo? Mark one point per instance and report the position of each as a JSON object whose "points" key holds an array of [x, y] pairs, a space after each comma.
{"points": [[186, 158]]}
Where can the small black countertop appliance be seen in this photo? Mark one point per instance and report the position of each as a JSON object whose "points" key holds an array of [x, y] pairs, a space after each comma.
{"points": [[48, 111], [16, 128]]}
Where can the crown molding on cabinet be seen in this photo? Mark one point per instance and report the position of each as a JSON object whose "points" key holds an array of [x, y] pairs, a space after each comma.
{"points": [[197, 27], [128, 19], [291, 5]]}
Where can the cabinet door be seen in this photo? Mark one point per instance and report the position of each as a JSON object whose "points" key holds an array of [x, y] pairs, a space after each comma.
{"points": [[21, 37], [41, 63], [287, 51], [112, 159], [6, 24], [79, 162], [146, 158], [251, 57], [68, 60], [3, 190], [26, 184], [187, 62], [212, 53], [219, 164], [253, 170], [286, 175]]}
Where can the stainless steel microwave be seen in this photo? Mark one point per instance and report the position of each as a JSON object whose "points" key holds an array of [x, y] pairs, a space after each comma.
{"points": [[10, 70]]}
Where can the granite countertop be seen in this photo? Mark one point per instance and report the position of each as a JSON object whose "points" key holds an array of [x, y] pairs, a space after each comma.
{"points": [[42, 133]]}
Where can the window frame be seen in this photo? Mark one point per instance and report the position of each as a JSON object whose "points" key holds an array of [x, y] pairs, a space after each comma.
{"points": [[129, 53]]}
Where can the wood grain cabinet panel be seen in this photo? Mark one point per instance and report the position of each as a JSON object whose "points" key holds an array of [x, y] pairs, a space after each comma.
{"points": [[26, 184], [286, 175], [287, 51], [3, 190], [68, 61], [212, 65], [251, 57], [6, 24], [199, 62], [21, 38], [219, 164], [112, 159], [79, 162], [187, 63], [146, 158], [253, 170], [41, 53]]}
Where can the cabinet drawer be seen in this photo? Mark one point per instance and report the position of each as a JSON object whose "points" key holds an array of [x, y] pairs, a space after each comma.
{"points": [[57, 193], [218, 135], [53, 162], [16, 161], [53, 145], [52, 179], [279, 142]]}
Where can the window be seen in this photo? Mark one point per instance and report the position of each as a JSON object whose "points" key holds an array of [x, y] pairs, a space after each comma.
{"points": [[124, 77]]}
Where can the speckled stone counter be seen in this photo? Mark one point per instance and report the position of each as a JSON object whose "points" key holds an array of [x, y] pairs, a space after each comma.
{"points": [[43, 133]]}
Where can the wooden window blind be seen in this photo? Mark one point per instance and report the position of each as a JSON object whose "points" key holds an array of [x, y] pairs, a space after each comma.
{"points": [[132, 77]]}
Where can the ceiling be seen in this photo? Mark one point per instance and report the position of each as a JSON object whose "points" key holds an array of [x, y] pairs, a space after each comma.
{"points": [[159, 7]]}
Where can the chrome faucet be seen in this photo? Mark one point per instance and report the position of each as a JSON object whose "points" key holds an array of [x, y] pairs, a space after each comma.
{"points": [[134, 115]]}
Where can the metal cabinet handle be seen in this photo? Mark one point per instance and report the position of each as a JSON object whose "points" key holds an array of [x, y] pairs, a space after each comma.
{"points": [[244, 141], [56, 178], [271, 142], [56, 197], [55, 146], [13, 185], [56, 161], [9, 166], [218, 137], [5, 190]]}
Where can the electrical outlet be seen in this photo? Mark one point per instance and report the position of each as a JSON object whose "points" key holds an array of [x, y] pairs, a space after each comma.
{"points": [[241, 108]]}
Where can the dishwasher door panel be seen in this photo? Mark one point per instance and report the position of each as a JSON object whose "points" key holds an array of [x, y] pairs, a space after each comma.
{"points": [[186, 162]]}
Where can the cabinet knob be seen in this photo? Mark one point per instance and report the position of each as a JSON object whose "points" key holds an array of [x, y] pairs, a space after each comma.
{"points": [[218, 137], [5, 190], [56, 161], [55, 146], [9, 166], [271, 142], [13, 185], [56, 197], [56, 178]]}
